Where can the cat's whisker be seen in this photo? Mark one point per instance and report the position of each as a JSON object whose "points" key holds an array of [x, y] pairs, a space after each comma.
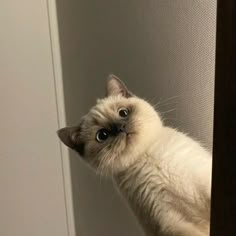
{"points": [[155, 100], [167, 102], [171, 119], [162, 100], [168, 111]]}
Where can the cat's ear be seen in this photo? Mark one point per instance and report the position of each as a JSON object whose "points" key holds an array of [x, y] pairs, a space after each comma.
{"points": [[115, 87], [70, 137]]}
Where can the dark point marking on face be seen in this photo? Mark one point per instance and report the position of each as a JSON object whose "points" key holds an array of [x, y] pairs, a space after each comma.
{"points": [[117, 128], [80, 148], [70, 136]]}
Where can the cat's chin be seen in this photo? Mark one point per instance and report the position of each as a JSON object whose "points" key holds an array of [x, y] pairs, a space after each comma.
{"points": [[119, 162], [129, 141], [130, 136], [113, 170]]}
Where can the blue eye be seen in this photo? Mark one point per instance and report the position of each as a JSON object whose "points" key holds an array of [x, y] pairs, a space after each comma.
{"points": [[123, 112], [102, 135]]}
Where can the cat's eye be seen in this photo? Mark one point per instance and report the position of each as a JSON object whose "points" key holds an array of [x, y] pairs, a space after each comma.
{"points": [[102, 135], [123, 112]]}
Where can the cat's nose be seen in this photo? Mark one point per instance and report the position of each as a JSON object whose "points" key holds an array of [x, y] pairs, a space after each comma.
{"points": [[118, 127], [122, 127]]}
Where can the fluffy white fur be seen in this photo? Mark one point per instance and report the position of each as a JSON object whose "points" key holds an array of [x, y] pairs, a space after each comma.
{"points": [[172, 181], [164, 174]]}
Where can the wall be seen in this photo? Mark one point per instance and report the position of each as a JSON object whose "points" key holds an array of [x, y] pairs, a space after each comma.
{"points": [[164, 50], [32, 198]]}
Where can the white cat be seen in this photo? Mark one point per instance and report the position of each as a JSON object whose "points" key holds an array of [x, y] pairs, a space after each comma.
{"points": [[164, 174]]}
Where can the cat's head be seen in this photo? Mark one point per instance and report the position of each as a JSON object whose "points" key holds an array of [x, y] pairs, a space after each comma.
{"points": [[116, 132]]}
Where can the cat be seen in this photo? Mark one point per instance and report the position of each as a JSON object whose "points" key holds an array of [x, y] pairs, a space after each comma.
{"points": [[164, 174]]}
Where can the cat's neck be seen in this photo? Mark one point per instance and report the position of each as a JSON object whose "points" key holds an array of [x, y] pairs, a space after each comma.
{"points": [[150, 154], [143, 166]]}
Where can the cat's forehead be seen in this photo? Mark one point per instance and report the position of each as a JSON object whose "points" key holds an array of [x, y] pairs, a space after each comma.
{"points": [[112, 102], [106, 109]]}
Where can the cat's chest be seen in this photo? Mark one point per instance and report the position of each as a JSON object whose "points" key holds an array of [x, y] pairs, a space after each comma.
{"points": [[141, 179], [144, 187], [153, 189]]}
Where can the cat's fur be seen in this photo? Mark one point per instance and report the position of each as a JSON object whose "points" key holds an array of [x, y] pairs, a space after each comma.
{"points": [[164, 174]]}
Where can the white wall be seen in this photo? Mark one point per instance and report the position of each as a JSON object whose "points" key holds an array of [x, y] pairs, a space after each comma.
{"points": [[164, 50], [32, 198]]}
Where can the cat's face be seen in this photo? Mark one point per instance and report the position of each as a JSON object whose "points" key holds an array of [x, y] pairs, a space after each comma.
{"points": [[116, 131]]}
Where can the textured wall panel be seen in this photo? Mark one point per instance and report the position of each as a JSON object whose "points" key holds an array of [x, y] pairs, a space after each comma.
{"points": [[164, 50]]}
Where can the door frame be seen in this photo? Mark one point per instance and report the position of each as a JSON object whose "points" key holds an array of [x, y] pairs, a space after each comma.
{"points": [[223, 204]]}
